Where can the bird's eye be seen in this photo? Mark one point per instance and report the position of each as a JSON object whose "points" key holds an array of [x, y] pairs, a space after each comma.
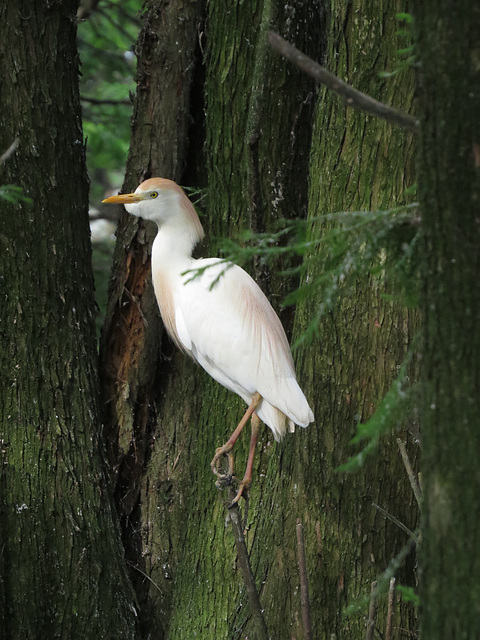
{"points": [[154, 194]]}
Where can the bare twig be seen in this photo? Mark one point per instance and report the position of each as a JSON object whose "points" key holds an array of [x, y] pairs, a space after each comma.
{"points": [[372, 612], [86, 8], [134, 566], [351, 96], [304, 596], [260, 631], [390, 609], [396, 521], [396, 562], [411, 476], [5, 156], [118, 24]]}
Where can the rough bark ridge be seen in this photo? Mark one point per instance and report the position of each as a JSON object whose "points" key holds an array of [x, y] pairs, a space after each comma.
{"points": [[449, 190], [61, 559]]}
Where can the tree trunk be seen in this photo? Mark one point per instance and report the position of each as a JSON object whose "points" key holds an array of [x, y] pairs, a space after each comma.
{"points": [[449, 161], [253, 150], [357, 163], [61, 559]]}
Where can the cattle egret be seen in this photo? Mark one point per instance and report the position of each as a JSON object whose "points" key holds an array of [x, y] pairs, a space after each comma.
{"points": [[221, 318]]}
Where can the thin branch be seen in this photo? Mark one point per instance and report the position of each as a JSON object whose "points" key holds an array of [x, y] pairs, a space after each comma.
{"points": [[372, 612], [11, 149], [134, 566], [118, 24], [390, 609], [304, 595], [396, 521], [98, 101], [417, 492], [351, 96], [260, 631], [396, 562], [85, 9]]}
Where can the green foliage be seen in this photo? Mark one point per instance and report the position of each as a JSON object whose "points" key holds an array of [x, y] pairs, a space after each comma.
{"points": [[13, 194], [383, 581], [199, 197], [106, 45], [337, 250], [408, 594], [10, 192], [406, 54], [360, 244], [396, 404]]}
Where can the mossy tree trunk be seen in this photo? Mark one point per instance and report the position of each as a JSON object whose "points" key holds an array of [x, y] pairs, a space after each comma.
{"points": [[358, 163], [449, 192], [62, 573], [253, 153]]}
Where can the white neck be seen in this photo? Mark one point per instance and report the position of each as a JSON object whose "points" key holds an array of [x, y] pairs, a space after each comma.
{"points": [[173, 246], [179, 230]]}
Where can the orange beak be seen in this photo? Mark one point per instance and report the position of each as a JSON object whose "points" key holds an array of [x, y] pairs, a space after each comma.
{"points": [[124, 198]]}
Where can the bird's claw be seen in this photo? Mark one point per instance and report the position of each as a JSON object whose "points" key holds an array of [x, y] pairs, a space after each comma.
{"points": [[242, 492], [216, 462], [224, 480]]}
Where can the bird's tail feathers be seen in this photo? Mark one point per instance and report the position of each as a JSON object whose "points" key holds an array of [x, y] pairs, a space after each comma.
{"points": [[281, 420]]}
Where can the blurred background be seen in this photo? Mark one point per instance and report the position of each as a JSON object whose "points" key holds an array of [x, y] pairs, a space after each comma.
{"points": [[107, 32]]}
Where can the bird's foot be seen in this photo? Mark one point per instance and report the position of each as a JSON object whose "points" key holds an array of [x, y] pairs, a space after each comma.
{"points": [[242, 492], [223, 478], [226, 479]]}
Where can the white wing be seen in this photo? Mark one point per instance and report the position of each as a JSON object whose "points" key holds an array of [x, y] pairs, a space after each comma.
{"points": [[231, 329]]}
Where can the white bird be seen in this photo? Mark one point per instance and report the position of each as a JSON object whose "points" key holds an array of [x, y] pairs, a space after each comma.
{"points": [[229, 328]]}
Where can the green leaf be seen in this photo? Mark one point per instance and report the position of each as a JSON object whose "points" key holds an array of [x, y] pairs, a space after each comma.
{"points": [[408, 594], [405, 17], [13, 194], [382, 580], [395, 407], [106, 44]]}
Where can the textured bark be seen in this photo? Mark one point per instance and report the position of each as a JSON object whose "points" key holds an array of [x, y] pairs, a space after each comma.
{"points": [[449, 190], [254, 151], [356, 163], [61, 560], [135, 352]]}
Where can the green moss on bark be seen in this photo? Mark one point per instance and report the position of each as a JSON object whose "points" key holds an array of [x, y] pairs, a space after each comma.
{"points": [[62, 571]]}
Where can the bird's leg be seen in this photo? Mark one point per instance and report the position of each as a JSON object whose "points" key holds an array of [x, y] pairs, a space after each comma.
{"points": [[247, 478], [226, 449]]}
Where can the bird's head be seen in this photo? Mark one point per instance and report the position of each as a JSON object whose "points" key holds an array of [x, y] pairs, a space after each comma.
{"points": [[163, 202], [154, 199]]}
